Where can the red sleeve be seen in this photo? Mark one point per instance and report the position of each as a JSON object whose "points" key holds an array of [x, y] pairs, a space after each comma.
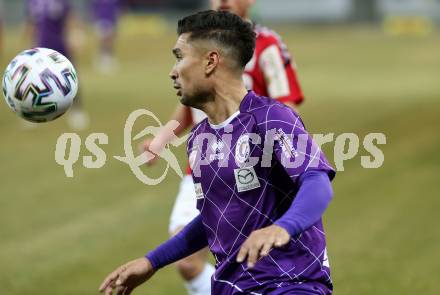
{"points": [[188, 169], [295, 94]]}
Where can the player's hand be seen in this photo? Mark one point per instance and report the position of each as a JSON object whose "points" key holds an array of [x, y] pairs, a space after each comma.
{"points": [[260, 242], [147, 147], [127, 277]]}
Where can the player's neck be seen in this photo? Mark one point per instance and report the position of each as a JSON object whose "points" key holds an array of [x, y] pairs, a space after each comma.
{"points": [[226, 102]]}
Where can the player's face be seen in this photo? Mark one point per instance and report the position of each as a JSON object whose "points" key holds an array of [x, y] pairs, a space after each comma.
{"points": [[188, 73], [238, 7]]}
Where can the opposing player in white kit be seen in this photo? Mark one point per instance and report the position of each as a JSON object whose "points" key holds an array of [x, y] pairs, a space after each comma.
{"points": [[271, 72]]}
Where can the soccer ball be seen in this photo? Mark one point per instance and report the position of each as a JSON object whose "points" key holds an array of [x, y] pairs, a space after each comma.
{"points": [[40, 84]]}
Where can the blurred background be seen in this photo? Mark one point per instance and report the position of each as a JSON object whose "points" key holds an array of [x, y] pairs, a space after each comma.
{"points": [[364, 66]]}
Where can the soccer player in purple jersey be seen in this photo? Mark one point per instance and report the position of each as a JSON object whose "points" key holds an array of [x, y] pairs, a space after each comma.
{"points": [[262, 183], [47, 23], [270, 72], [105, 15]]}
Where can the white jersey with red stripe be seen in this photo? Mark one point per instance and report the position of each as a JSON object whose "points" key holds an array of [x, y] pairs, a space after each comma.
{"points": [[271, 72]]}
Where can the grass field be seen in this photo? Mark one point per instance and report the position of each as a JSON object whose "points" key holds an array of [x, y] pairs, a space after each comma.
{"points": [[62, 235]]}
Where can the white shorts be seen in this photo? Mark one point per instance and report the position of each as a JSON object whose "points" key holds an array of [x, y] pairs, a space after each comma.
{"points": [[184, 209]]}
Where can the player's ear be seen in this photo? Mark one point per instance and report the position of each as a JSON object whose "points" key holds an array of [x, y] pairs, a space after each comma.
{"points": [[212, 61]]}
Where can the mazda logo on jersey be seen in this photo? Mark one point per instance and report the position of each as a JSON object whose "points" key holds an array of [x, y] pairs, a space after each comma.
{"points": [[245, 176], [246, 179]]}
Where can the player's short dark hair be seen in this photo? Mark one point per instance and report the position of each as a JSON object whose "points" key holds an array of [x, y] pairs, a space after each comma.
{"points": [[223, 27]]}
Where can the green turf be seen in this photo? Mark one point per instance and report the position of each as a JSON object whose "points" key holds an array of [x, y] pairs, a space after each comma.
{"points": [[62, 235]]}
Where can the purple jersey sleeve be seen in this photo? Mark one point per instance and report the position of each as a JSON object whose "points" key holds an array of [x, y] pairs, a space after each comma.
{"points": [[286, 139], [188, 241], [314, 194]]}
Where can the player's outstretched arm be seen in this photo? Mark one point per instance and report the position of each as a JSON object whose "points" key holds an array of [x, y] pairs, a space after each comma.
{"points": [[127, 277], [155, 145], [189, 240]]}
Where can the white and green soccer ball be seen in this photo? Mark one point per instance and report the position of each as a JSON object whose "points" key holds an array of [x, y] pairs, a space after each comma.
{"points": [[40, 84]]}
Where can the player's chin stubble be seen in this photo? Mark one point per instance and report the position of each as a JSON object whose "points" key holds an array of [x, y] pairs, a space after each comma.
{"points": [[197, 100]]}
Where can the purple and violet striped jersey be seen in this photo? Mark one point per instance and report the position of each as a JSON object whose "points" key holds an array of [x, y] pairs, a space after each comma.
{"points": [[245, 173]]}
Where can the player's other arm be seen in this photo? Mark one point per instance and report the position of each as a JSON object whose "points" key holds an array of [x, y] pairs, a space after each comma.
{"points": [[280, 75], [306, 165], [310, 171], [132, 274], [314, 195], [182, 115]]}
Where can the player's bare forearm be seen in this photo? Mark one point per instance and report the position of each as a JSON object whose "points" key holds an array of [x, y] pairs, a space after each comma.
{"points": [[182, 114], [260, 242], [179, 122], [127, 277]]}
